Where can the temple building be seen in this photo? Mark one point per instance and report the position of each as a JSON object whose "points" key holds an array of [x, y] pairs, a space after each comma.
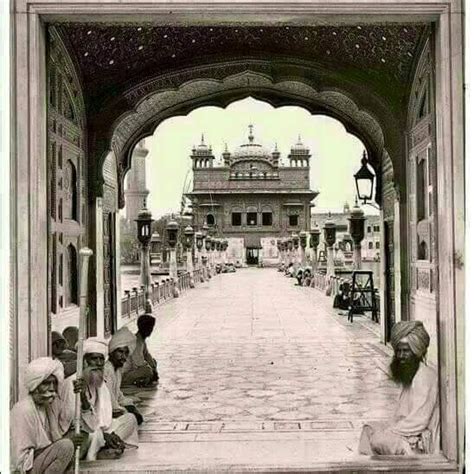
{"points": [[253, 197]]}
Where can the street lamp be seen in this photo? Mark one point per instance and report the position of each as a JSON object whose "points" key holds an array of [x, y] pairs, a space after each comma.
{"points": [[189, 234], [356, 229], [199, 243], [364, 179], [172, 232], [330, 239], [144, 221], [208, 244], [303, 237], [314, 243]]}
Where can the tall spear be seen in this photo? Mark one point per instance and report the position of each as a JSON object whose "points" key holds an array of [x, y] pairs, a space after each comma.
{"points": [[84, 255]]}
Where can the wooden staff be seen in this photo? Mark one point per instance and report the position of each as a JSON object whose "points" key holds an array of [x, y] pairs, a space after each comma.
{"points": [[84, 255]]}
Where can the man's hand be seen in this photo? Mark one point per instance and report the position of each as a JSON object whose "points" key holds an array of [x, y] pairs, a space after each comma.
{"points": [[133, 409], [80, 386], [80, 439]]}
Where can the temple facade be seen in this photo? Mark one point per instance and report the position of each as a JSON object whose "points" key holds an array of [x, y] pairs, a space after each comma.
{"points": [[253, 197]]}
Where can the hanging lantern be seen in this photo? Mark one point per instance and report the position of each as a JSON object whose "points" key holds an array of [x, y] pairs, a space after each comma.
{"points": [[330, 233], [364, 179], [296, 239], [357, 224], [315, 235], [303, 237], [199, 240]]}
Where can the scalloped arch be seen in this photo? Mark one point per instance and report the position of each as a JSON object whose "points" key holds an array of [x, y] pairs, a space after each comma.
{"points": [[154, 107]]}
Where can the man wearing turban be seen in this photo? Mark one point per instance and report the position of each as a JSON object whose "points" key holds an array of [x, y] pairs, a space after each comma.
{"points": [[39, 424], [141, 368], [415, 428], [67, 357], [108, 435], [121, 346]]}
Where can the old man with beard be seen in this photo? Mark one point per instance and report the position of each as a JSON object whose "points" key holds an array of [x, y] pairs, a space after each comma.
{"points": [[120, 346], [415, 428], [39, 424], [108, 435]]}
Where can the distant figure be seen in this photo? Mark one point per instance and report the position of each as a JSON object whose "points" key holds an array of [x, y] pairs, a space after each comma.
{"points": [[141, 368], [67, 357], [342, 299], [71, 334], [415, 427], [120, 346], [38, 442]]}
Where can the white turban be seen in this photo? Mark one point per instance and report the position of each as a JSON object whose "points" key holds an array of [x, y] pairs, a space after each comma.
{"points": [[40, 369], [123, 338], [415, 334], [95, 345]]}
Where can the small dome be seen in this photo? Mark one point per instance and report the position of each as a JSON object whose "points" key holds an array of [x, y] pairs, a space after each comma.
{"points": [[251, 149], [299, 147]]}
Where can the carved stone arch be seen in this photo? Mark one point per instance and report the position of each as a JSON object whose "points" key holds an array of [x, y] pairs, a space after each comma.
{"points": [[164, 96]]}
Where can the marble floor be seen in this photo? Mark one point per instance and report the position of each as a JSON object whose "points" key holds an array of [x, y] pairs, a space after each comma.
{"points": [[255, 371]]}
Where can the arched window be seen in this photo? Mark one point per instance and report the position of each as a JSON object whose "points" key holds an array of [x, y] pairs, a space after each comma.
{"points": [[71, 290], [422, 251], [72, 296], [210, 219], [70, 191]]}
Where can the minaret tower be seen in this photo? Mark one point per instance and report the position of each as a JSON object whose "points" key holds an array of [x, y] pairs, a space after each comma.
{"points": [[136, 192], [299, 155], [202, 155]]}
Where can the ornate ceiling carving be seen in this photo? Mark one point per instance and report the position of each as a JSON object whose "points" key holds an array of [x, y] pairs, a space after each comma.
{"points": [[119, 54]]}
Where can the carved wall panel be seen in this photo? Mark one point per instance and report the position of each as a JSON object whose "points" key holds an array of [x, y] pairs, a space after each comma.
{"points": [[67, 169], [422, 176]]}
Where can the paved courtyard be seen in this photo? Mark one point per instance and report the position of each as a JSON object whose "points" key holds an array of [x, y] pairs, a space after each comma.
{"points": [[255, 371]]}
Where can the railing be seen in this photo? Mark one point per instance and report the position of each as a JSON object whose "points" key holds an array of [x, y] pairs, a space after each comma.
{"points": [[133, 303]]}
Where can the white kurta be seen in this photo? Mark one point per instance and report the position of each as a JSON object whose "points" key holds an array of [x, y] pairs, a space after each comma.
{"points": [[98, 419]]}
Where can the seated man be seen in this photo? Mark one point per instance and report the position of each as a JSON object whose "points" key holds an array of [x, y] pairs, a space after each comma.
{"points": [[141, 368], [65, 356], [37, 423], [71, 334], [415, 428], [108, 435], [343, 298], [120, 346]]}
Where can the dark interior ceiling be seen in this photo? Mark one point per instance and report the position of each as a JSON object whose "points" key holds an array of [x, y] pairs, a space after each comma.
{"points": [[113, 57]]}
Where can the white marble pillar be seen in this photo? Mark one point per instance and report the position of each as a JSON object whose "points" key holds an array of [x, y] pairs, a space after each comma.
{"points": [[190, 266], [174, 271]]}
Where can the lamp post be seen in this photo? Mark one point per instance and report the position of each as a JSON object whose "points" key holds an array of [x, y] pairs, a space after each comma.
{"points": [[188, 235], [303, 237], [199, 244], [213, 255], [207, 243], [330, 239], [225, 245], [296, 240], [172, 231], [144, 222], [356, 229], [290, 251], [314, 243]]}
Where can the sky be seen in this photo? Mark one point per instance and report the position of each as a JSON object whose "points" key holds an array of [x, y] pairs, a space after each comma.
{"points": [[335, 158]]}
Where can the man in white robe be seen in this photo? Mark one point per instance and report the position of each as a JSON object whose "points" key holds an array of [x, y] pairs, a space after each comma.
{"points": [[415, 428], [141, 368], [121, 345], [108, 435], [38, 423]]}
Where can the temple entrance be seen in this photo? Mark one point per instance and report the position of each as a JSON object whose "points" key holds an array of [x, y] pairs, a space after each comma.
{"points": [[252, 254]]}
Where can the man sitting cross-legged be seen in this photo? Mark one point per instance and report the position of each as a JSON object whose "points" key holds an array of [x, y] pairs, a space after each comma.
{"points": [[39, 424], [415, 429], [108, 435], [141, 368], [120, 346]]}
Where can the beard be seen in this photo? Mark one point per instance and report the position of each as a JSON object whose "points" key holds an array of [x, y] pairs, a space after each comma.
{"points": [[403, 372], [94, 377]]}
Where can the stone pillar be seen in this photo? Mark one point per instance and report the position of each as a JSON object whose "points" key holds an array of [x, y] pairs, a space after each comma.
{"points": [[330, 239]]}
